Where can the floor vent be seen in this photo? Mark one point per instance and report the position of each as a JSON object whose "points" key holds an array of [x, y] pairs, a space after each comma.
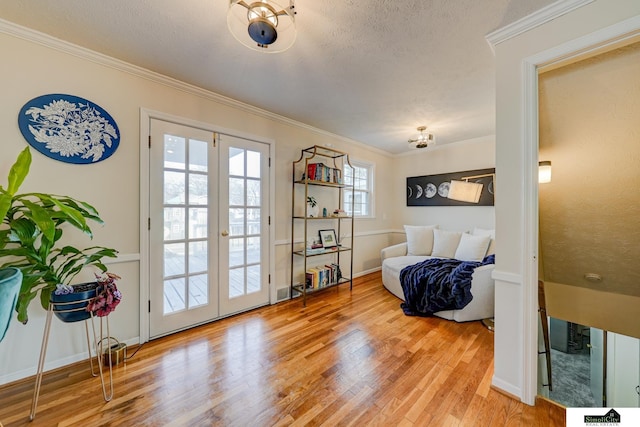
{"points": [[283, 294]]}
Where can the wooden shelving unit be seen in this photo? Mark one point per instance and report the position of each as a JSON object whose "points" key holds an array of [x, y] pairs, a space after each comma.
{"points": [[331, 189]]}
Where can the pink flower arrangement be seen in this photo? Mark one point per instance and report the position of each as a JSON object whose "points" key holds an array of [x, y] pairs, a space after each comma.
{"points": [[107, 295]]}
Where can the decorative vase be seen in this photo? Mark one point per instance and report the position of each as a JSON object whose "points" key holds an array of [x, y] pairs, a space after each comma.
{"points": [[312, 210], [72, 307], [10, 281]]}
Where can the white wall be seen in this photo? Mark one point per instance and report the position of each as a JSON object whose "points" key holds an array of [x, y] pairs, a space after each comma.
{"points": [[516, 145], [33, 68], [478, 153]]}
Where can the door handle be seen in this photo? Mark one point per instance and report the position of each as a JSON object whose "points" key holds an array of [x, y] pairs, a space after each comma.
{"points": [[224, 233]]}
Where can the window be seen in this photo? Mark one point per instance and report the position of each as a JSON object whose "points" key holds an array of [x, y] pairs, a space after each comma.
{"points": [[361, 175]]}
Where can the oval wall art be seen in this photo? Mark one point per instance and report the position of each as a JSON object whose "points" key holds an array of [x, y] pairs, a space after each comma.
{"points": [[69, 128]]}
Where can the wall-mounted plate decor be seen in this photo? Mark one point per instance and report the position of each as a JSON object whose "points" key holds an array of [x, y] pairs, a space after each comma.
{"points": [[69, 128], [432, 190]]}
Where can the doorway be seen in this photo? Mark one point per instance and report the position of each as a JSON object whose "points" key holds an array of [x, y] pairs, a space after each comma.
{"points": [[208, 227]]}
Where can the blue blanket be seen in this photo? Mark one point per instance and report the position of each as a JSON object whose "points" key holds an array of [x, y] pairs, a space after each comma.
{"points": [[438, 284]]}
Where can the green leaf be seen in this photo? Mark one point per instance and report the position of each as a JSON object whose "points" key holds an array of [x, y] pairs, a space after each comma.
{"points": [[42, 218], [72, 215], [27, 293], [5, 204], [45, 296], [19, 171]]}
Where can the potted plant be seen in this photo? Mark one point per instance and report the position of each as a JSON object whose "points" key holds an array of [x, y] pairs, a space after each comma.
{"points": [[312, 206], [30, 239]]}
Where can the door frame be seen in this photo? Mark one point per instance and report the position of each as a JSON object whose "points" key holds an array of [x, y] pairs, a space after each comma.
{"points": [[599, 41], [145, 122]]}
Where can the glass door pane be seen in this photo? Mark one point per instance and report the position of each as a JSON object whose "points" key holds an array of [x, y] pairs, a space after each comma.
{"points": [[183, 271], [247, 227]]}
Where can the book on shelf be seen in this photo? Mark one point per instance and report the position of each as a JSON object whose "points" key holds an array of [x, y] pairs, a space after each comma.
{"points": [[314, 251], [322, 276], [323, 173]]}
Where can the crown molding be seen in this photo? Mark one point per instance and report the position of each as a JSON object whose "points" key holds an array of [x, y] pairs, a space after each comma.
{"points": [[49, 41], [537, 18]]}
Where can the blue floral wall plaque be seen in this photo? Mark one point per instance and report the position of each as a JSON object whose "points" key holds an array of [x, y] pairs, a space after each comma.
{"points": [[69, 128]]}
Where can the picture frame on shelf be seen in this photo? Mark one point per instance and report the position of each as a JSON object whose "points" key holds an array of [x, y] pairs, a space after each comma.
{"points": [[328, 238]]}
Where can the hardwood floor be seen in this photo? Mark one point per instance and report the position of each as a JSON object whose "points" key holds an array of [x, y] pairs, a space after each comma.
{"points": [[348, 358]]}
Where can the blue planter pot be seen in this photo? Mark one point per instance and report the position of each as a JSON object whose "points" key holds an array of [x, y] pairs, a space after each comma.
{"points": [[72, 307], [10, 281]]}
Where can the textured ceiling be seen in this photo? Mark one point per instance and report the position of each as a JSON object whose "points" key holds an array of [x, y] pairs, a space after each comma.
{"points": [[371, 71]]}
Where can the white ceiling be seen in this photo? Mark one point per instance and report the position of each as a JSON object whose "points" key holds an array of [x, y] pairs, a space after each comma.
{"points": [[371, 71]]}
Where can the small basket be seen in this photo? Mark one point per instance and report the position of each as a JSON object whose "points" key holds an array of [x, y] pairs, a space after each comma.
{"points": [[117, 351]]}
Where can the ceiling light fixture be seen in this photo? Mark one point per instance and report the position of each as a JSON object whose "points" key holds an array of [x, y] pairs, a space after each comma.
{"points": [[424, 139], [265, 26]]}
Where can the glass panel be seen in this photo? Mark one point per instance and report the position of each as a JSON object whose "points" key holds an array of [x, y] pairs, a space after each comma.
{"points": [[174, 262], [198, 155], [253, 164], [198, 257], [236, 191], [253, 192], [174, 190], [198, 291], [197, 189], [253, 221], [348, 175], [236, 252], [174, 152], [198, 223], [174, 295], [253, 279], [253, 250], [236, 282], [236, 222], [236, 161], [174, 223]]}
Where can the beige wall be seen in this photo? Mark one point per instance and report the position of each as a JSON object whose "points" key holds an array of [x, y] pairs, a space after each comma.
{"points": [[478, 153], [32, 69], [590, 211]]}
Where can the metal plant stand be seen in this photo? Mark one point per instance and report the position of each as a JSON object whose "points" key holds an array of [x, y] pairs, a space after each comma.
{"points": [[97, 347]]}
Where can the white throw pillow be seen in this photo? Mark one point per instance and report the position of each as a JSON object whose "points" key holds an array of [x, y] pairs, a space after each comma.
{"points": [[487, 232], [419, 239], [445, 243], [472, 248]]}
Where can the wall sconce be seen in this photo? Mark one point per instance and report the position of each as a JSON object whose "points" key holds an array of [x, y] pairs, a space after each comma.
{"points": [[465, 191], [544, 172]]}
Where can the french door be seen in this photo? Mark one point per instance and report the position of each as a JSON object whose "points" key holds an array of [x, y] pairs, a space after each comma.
{"points": [[208, 228]]}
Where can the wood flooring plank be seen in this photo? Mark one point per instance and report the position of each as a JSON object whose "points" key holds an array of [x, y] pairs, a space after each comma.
{"points": [[346, 359]]}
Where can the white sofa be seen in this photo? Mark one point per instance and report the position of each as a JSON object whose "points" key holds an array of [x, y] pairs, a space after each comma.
{"points": [[395, 258]]}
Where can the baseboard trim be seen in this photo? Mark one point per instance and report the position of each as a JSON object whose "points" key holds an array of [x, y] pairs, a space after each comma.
{"points": [[506, 388], [27, 374], [365, 272]]}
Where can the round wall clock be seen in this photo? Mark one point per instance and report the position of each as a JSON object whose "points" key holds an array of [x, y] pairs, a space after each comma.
{"points": [[69, 128]]}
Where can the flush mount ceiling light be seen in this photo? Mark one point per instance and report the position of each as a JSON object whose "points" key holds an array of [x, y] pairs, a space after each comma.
{"points": [[424, 139], [265, 26]]}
